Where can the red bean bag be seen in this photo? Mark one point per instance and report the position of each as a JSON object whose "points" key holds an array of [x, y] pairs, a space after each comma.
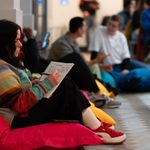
{"points": [[54, 135]]}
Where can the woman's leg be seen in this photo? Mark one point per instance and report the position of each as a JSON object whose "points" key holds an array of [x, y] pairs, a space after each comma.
{"points": [[67, 103], [103, 130], [85, 80], [81, 73]]}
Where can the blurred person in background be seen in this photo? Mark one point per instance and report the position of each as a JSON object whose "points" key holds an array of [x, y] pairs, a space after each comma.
{"points": [[89, 8]]}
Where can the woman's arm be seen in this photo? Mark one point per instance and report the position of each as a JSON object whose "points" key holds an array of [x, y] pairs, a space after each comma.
{"points": [[18, 99]]}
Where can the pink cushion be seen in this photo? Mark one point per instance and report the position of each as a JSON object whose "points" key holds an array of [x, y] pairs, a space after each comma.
{"points": [[58, 135]]}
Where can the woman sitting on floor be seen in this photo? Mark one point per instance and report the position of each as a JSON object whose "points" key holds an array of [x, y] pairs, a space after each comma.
{"points": [[26, 99]]}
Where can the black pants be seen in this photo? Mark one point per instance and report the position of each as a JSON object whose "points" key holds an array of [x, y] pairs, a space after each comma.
{"points": [[67, 103], [80, 72]]}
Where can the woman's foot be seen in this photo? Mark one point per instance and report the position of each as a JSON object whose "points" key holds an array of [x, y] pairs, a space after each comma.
{"points": [[109, 135], [109, 125]]}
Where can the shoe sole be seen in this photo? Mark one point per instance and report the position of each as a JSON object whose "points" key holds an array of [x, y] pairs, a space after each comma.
{"points": [[99, 103], [111, 107], [112, 141], [115, 143]]}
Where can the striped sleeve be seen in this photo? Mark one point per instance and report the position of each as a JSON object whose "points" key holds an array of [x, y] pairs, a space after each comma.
{"points": [[13, 96], [41, 89]]}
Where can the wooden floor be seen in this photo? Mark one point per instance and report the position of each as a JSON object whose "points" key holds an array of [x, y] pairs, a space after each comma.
{"points": [[133, 118]]}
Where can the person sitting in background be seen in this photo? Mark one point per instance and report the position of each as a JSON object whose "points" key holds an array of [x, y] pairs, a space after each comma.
{"points": [[26, 101], [111, 42], [145, 24], [105, 20], [108, 40], [134, 32], [66, 49]]}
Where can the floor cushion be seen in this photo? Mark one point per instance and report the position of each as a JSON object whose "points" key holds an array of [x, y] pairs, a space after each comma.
{"points": [[57, 135], [103, 89], [137, 80], [108, 78], [101, 115]]}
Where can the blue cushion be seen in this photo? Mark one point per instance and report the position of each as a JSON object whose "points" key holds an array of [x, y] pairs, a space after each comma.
{"points": [[108, 78], [137, 80]]}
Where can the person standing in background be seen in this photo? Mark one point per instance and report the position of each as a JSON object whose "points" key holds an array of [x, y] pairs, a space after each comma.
{"points": [[127, 13], [89, 8]]}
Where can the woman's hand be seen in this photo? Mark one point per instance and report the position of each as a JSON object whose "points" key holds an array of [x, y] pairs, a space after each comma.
{"points": [[54, 77], [35, 81], [28, 33]]}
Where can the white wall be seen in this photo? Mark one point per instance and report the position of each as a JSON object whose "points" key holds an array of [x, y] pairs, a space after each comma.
{"points": [[109, 7], [59, 16], [28, 17], [10, 9]]}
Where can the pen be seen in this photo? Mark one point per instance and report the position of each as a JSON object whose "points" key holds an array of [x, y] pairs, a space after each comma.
{"points": [[44, 73]]}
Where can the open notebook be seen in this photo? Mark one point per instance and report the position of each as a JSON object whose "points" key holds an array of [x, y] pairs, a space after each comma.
{"points": [[63, 68]]}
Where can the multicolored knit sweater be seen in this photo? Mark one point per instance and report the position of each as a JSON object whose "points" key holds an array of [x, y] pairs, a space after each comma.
{"points": [[17, 91]]}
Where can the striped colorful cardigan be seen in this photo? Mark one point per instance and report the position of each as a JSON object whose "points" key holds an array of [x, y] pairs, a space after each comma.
{"points": [[17, 91]]}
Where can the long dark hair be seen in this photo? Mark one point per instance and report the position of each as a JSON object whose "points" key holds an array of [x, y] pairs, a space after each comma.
{"points": [[8, 33]]}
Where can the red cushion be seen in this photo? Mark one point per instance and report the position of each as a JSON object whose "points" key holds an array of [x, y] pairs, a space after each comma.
{"points": [[58, 135]]}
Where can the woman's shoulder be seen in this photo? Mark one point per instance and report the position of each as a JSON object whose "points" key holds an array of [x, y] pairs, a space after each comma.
{"points": [[2, 62]]}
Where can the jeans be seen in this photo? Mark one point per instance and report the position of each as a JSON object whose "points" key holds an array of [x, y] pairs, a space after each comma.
{"points": [[134, 64]]}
